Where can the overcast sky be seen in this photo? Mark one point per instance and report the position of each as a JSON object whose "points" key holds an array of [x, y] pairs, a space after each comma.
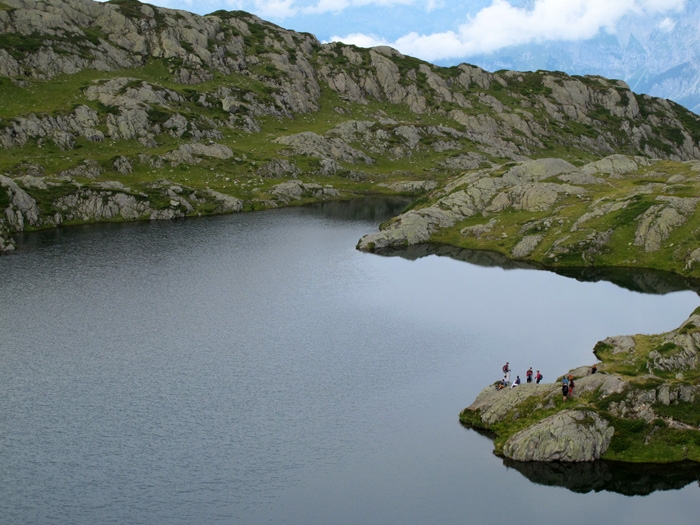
{"points": [[446, 31]]}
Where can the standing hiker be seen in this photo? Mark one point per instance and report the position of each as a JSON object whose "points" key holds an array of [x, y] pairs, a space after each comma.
{"points": [[506, 371]]}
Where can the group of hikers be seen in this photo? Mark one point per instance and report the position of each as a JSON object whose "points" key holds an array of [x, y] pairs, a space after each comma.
{"points": [[567, 386], [529, 376], [567, 381]]}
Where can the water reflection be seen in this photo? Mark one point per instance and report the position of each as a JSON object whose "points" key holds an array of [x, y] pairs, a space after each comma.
{"points": [[630, 479], [637, 280], [375, 209]]}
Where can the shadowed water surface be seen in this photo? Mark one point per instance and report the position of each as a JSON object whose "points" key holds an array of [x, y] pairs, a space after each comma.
{"points": [[256, 368], [630, 479]]}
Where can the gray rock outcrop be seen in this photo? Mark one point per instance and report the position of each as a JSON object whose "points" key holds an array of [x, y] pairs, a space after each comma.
{"points": [[295, 190], [101, 201], [569, 436]]}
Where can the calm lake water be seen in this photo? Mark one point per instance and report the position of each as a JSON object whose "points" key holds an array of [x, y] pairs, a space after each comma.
{"points": [[256, 368]]}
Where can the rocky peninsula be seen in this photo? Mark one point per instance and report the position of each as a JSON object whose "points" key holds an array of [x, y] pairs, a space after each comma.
{"points": [[641, 405]]}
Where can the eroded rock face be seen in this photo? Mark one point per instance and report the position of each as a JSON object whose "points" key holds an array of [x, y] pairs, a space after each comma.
{"points": [[227, 203], [615, 165], [412, 227], [22, 207], [659, 221], [537, 170], [679, 349], [101, 201], [189, 153], [494, 405], [569, 436], [7, 243], [309, 143], [295, 190]]}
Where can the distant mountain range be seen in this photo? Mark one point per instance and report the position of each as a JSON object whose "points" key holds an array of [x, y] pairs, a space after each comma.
{"points": [[657, 56]]}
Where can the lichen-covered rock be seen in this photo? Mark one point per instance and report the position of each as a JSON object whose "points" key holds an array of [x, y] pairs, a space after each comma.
{"points": [[296, 190], [189, 153], [615, 165], [279, 168], [88, 169], [22, 209], [526, 246], [659, 221], [569, 436], [227, 203], [123, 165], [309, 143], [412, 227], [414, 186], [61, 129], [494, 405], [537, 170], [533, 196], [679, 349], [7, 243]]}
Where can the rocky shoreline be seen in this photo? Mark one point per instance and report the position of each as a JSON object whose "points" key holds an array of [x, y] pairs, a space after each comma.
{"points": [[73, 202], [618, 211], [640, 406]]}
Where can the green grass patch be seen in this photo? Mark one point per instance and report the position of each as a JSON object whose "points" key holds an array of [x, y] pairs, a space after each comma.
{"points": [[132, 9], [667, 348], [4, 198], [471, 418], [652, 442], [683, 411], [47, 198], [604, 403], [533, 84], [19, 45], [636, 207], [158, 115]]}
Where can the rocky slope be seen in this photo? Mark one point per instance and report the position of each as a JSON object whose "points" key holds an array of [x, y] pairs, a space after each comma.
{"points": [[641, 405], [616, 211], [122, 111]]}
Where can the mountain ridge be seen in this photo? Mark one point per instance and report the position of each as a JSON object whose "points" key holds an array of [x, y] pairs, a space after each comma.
{"points": [[123, 111], [662, 60]]}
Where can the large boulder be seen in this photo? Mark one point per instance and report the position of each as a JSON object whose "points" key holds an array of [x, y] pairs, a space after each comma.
{"points": [[494, 405], [570, 436]]}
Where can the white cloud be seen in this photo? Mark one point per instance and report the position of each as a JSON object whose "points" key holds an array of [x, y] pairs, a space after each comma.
{"points": [[431, 5], [337, 6], [327, 6], [502, 25], [275, 8], [362, 40], [233, 5], [667, 25]]}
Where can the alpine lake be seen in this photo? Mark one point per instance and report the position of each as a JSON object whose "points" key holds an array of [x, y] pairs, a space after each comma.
{"points": [[257, 368]]}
